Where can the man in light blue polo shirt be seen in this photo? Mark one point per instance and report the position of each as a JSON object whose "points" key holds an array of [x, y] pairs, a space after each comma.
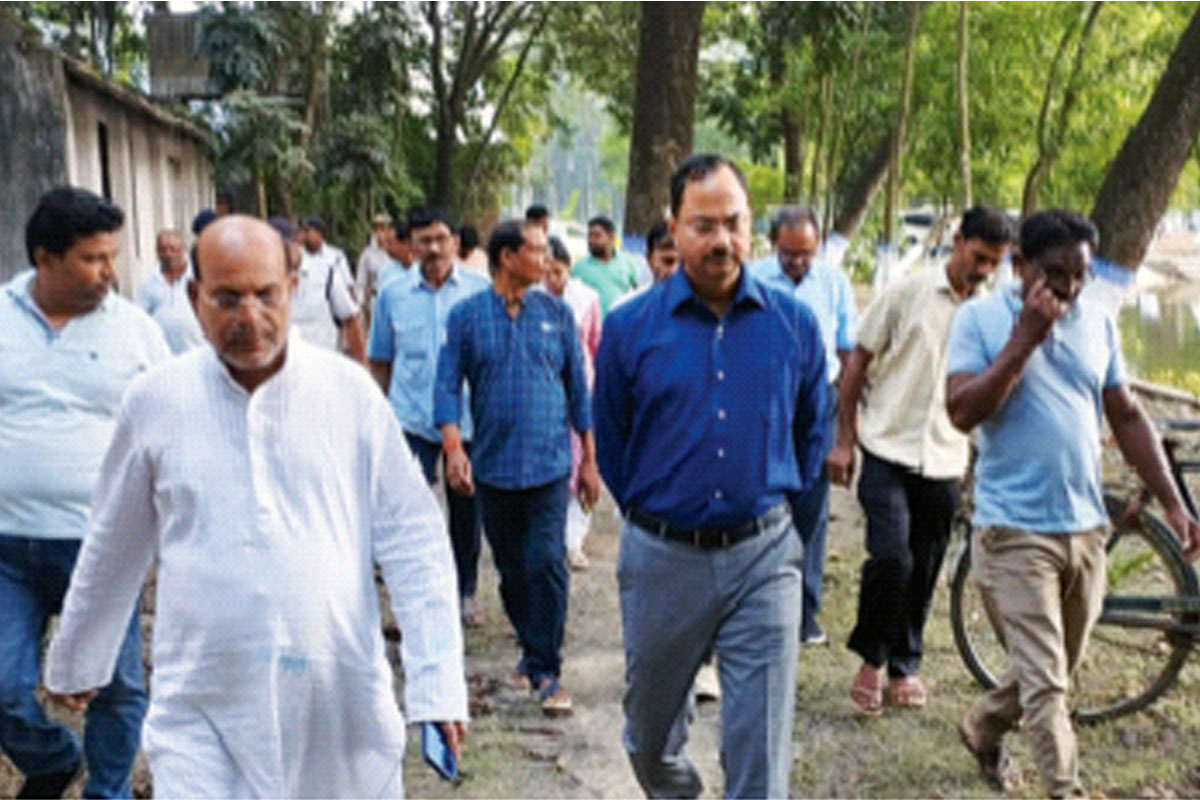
{"points": [[408, 328], [825, 289], [68, 347], [1033, 366]]}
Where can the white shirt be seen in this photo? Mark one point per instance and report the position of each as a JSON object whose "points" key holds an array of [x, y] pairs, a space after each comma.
{"points": [[322, 295], [59, 395], [168, 303], [370, 261], [265, 528]]}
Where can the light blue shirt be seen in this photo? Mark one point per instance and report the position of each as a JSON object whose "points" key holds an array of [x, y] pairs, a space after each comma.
{"points": [[393, 270], [59, 395], [1039, 454], [408, 328], [826, 290]]}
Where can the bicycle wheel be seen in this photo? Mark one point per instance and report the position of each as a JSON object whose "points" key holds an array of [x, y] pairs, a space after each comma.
{"points": [[977, 641], [1133, 656], [1125, 667]]}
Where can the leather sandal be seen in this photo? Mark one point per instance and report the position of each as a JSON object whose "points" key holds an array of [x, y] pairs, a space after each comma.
{"points": [[866, 691], [907, 691]]}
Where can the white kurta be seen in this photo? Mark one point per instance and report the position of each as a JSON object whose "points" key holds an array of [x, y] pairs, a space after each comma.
{"points": [[266, 512]]}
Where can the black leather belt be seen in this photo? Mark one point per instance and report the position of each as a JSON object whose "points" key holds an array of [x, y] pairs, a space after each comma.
{"points": [[708, 538]]}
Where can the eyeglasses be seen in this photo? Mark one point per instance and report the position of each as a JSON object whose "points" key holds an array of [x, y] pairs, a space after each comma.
{"points": [[228, 300], [440, 239]]}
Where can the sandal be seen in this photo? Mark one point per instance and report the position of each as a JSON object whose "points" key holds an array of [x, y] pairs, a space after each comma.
{"points": [[907, 691], [866, 691]]}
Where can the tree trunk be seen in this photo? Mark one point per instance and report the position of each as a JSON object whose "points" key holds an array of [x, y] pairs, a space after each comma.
{"points": [[964, 118], [317, 87], [862, 186], [895, 173], [793, 155], [826, 90], [664, 107], [1144, 173]]}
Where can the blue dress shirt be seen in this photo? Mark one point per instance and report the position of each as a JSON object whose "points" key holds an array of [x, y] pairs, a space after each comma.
{"points": [[408, 328], [703, 421], [826, 290], [526, 375]]}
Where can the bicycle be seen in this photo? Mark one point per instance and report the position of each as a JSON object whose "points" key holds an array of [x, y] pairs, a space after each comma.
{"points": [[1151, 616]]}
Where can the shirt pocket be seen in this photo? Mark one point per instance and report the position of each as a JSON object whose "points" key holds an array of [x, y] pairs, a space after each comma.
{"points": [[413, 356], [546, 344]]}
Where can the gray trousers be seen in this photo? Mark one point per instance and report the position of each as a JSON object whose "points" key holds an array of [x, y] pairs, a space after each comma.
{"points": [[680, 603]]}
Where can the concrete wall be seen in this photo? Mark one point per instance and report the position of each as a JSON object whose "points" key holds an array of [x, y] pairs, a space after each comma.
{"points": [[51, 113], [157, 173], [32, 137]]}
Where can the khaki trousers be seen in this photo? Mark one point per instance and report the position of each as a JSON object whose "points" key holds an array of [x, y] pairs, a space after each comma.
{"points": [[1044, 592]]}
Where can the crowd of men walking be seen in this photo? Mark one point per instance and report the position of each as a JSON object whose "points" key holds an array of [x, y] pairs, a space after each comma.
{"points": [[238, 446]]}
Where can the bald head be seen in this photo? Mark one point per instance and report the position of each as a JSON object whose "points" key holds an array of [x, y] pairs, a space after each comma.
{"points": [[241, 296], [243, 237]]}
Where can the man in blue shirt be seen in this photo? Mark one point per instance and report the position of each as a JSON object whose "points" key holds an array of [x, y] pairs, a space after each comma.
{"points": [[408, 329], [519, 351], [69, 346], [826, 290], [700, 382], [1033, 366]]}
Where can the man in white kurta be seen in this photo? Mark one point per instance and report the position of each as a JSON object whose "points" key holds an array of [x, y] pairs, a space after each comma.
{"points": [[269, 677]]}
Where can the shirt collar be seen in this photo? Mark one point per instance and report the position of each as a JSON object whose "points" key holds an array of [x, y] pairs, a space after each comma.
{"points": [[19, 290], [678, 291], [452, 278], [777, 274]]}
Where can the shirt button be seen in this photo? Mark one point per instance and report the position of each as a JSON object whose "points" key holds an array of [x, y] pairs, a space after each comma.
{"points": [[718, 494], [720, 331], [720, 452], [720, 413], [720, 374]]}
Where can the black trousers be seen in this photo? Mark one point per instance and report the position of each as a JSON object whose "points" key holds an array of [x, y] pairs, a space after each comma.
{"points": [[465, 519], [908, 527]]}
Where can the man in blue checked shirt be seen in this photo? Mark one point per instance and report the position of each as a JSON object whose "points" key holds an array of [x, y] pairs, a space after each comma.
{"points": [[799, 270], [703, 384], [519, 351], [408, 328]]}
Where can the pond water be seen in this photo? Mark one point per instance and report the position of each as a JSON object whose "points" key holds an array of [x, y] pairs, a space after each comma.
{"points": [[1160, 334]]}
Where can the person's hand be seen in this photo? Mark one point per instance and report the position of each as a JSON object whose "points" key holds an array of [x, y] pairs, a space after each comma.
{"points": [[77, 701], [458, 471], [455, 732], [589, 484], [1042, 308], [840, 463], [1188, 531]]}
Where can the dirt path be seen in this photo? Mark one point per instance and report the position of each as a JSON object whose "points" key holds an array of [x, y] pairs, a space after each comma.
{"points": [[514, 752]]}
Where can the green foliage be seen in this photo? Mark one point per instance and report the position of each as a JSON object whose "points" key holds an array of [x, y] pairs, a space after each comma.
{"points": [[102, 34], [258, 140]]}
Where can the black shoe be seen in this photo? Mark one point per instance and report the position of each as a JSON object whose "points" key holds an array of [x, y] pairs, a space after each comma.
{"points": [[993, 762], [811, 635], [51, 784]]}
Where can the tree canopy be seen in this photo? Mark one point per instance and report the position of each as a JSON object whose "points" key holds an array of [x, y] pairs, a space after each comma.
{"points": [[346, 111]]}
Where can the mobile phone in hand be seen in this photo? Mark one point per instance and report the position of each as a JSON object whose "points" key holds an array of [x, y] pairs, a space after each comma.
{"points": [[436, 752]]}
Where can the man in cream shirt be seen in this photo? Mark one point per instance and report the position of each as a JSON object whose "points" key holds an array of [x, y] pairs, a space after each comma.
{"points": [[912, 456], [269, 672]]}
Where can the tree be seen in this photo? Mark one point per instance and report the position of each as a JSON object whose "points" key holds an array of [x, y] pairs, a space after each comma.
{"points": [[664, 109], [102, 34], [895, 172], [964, 111], [1143, 175], [467, 40], [1049, 139]]}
